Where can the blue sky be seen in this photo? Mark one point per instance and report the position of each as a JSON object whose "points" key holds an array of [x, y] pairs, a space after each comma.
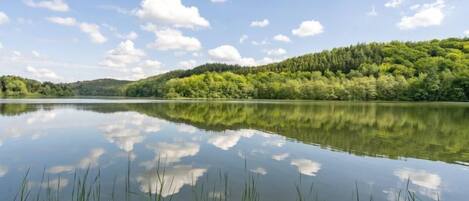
{"points": [[69, 40]]}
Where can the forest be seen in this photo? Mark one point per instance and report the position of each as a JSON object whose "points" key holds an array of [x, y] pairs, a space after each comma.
{"points": [[13, 86], [436, 70]]}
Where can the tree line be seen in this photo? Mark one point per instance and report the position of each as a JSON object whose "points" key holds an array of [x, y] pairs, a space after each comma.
{"points": [[436, 70], [13, 86]]}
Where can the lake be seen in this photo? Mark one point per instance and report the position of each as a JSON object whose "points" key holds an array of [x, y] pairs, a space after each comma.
{"points": [[185, 150]]}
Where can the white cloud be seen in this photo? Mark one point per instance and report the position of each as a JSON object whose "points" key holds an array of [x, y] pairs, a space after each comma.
{"points": [[306, 167], [91, 160], [3, 170], [130, 36], [1, 45], [282, 38], [229, 54], [280, 157], [267, 60], [260, 23], [54, 184], [152, 64], [174, 179], [42, 73], [414, 7], [17, 53], [218, 1], [54, 5], [257, 43], [93, 32], [259, 170], [171, 12], [393, 3], [35, 53], [419, 177], [4, 18], [427, 184], [188, 63], [41, 117], [124, 54], [66, 21], [466, 33], [150, 27], [427, 15], [89, 28], [171, 39], [187, 129], [276, 52], [308, 28], [130, 129], [243, 38], [229, 139], [171, 153], [372, 12]]}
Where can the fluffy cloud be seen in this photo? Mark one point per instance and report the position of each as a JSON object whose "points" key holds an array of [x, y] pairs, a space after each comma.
{"points": [[229, 139], [66, 21], [308, 28], [243, 38], [130, 36], [280, 157], [259, 170], [171, 39], [91, 160], [129, 130], [3, 170], [152, 64], [150, 27], [427, 183], [188, 64], [174, 179], [171, 12], [93, 32], [4, 18], [419, 178], [306, 167], [124, 54], [229, 54], [466, 33], [276, 52], [282, 38], [89, 28], [393, 3], [54, 5], [42, 73], [41, 117], [260, 23], [53, 184], [427, 15], [171, 153]]}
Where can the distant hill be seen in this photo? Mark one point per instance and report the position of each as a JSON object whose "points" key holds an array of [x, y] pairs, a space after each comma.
{"points": [[100, 87], [436, 70]]}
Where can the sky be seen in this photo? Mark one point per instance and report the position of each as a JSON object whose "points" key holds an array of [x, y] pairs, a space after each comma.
{"points": [[70, 40]]}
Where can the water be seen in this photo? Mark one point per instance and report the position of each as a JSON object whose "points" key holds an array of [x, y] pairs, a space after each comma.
{"points": [[333, 145]]}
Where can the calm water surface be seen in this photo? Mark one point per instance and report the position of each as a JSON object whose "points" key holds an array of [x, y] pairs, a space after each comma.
{"points": [[333, 145]]}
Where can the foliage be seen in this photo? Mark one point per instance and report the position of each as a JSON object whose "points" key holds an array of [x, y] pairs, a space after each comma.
{"points": [[101, 87], [436, 70], [13, 86]]}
